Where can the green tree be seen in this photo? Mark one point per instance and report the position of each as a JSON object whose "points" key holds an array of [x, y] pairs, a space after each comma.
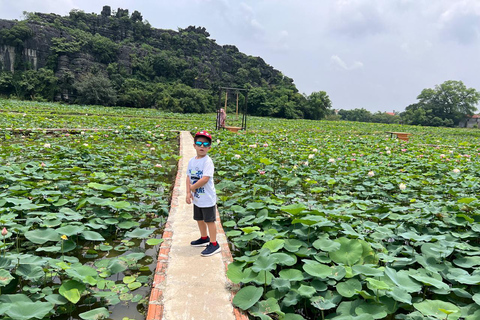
{"points": [[445, 105], [95, 89], [361, 115], [317, 105]]}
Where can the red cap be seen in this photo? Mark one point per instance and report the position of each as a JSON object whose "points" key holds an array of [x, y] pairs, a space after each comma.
{"points": [[205, 134]]}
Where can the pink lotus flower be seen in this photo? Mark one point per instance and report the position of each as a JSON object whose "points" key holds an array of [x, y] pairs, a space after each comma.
{"points": [[4, 231], [261, 171], [158, 165], [456, 170], [265, 145], [148, 144], [42, 164], [403, 150], [371, 173]]}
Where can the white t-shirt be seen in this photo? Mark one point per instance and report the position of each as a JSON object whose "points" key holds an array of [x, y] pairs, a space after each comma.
{"points": [[205, 196]]}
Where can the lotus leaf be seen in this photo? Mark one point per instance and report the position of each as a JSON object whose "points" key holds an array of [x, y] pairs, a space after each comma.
{"points": [[95, 314], [349, 288], [41, 236], [72, 290], [5, 277], [27, 310], [291, 275], [438, 309], [316, 269], [350, 251], [274, 245], [30, 272], [247, 297], [139, 233]]}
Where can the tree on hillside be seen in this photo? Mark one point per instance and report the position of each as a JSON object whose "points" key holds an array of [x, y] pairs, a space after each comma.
{"points": [[445, 105], [317, 105], [362, 115]]}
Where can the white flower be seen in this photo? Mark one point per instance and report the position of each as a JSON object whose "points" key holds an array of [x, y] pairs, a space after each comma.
{"points": [[305, 163], [314, 150], [371, 173], [456, 170], [162, 135], [218, 141], [402, 186], [128, 127], [442, 156], [310, 156], [331, 160], [253, 146], [386, 148], [85, 144], [83, 132], [46, 145], [152, 149], [388, 152], [116, 131], [237, 156]]}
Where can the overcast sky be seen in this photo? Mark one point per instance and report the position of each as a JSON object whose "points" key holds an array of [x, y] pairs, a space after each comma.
{"points": [[372, 54]]}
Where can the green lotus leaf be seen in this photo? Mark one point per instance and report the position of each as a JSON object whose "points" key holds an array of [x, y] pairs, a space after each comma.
{"points": [[134, 285], [281, 285], [95, 314], [306, 291], [274, 245], [291, 298], [92, 236], [41, 236], [437, 308], [349, 288], [30, 272], [264, 264], [128, 224], [429, 281], [293, 245], [402, 280], [291, 275], [255, 205], [377, 311], [294, 209], [284, 259], [400, 295], [154, 242], [235, 272], [248, 230], [139, 233], [83, 273], [247, 297], [5, 277], [350, 251], [56, 299], [72, 290], [29, 310], [367, 271], [327, 300], [119, 204], [377, 284], [326, 244], [116, 266], [70, 230], [316, 269], [467, 262]]}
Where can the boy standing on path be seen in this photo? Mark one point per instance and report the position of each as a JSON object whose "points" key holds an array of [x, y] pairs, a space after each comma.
{"points": [[201, 190]]}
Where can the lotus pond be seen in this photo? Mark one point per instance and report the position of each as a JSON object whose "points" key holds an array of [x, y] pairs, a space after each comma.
{"points": [[333, 220], [326, 220]]}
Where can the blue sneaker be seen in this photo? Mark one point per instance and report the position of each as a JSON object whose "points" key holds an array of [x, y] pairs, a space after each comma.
{"points": [[211, 250], [200, 242]]}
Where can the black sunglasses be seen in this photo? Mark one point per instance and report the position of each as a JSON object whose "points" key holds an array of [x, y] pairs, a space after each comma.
{"points": [[205, 144]]}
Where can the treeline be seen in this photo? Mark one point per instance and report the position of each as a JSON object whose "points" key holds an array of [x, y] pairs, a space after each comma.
{"points": [[115, 58]]}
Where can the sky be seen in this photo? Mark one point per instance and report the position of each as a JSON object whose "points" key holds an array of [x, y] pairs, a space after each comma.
{"points": [[372, 54]]}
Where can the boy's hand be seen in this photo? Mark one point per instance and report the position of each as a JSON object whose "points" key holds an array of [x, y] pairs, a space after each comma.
{"points": [[189, 198]]}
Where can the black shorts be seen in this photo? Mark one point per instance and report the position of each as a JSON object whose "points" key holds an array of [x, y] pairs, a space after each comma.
{"points": [[208, 214]]}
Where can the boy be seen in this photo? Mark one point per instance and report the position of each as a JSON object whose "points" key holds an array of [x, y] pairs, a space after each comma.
{"points": [[201, 190]]}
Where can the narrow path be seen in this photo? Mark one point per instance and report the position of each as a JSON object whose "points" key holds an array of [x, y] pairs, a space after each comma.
{"points": [[188, 286]]}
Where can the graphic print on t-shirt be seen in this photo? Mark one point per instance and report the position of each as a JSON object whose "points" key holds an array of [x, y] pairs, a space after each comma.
{"points": [[196, 175]]}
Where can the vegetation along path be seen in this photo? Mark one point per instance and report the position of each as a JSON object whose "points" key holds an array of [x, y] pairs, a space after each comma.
{"points": [[187, 285]]}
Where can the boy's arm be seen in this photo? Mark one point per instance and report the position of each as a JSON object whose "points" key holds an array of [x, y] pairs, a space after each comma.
{"points": [[189, 195], [200, 183]]}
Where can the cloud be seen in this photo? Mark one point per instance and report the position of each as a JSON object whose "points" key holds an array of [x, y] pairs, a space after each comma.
{"points": [[337, 61], [461, 22]]}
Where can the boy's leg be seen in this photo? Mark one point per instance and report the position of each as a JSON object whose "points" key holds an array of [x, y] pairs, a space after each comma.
{"points": [[212, 230], [202, 226]]}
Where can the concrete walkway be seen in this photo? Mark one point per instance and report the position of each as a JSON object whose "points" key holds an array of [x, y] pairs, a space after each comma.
{"points": [[188, 286]]}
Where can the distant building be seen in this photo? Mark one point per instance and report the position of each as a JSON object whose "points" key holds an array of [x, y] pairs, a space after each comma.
{"points": [[390, 113], [470, 122]]}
